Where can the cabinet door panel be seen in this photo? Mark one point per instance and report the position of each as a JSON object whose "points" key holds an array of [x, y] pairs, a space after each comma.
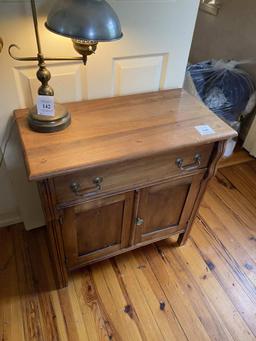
{"points": [[163, 206], [97, 228], [164, 209]]}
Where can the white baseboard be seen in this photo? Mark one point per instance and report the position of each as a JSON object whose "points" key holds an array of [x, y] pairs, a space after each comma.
{"points": [[11, 218]]}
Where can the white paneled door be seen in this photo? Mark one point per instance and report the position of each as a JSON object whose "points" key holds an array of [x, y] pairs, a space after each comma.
{"points": [[152, 55]]}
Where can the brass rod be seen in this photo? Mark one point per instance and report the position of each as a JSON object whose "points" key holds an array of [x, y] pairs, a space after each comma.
{"points": [[34, 13], [30, 59], [62, 58], [10, 48], [25, 59]]}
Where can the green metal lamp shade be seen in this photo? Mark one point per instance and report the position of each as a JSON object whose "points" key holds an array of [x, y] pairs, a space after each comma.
{"points": [[84, 19]]}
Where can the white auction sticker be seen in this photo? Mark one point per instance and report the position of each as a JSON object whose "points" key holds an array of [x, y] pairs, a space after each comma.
{"points": [[45, 105], [205, 130]]}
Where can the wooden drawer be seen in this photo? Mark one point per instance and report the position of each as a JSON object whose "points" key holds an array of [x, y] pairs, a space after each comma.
{"points": [[130, 174]]}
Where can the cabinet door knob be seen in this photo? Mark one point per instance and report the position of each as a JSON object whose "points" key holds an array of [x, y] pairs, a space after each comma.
{"points": [[139, 221], [196, 164], [76, 187]]}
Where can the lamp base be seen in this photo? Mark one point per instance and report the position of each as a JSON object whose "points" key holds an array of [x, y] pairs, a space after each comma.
{"points": [[49, 124]]}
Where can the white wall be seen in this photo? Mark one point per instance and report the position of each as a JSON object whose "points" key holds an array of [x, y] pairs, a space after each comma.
{"points": [[152, 55]]}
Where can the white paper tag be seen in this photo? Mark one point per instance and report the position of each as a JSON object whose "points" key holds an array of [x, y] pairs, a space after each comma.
{"points": [[205, 130], [229, 148], [45, 105]]}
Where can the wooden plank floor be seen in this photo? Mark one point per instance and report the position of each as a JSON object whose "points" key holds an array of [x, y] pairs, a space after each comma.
{"points": [[207, 289]]}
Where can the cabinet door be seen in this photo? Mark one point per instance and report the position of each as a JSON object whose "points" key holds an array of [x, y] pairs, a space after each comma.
{"points": [[164, 209], [96, 229]]}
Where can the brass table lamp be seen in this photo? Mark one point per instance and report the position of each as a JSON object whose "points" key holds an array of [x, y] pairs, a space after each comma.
{"points": [[86, 22]]}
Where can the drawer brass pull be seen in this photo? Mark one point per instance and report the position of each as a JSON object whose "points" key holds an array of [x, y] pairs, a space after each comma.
{"points": [[76, 187], [196, 164]]}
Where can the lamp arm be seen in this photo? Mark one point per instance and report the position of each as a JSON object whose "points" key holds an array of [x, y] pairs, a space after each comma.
{"points": [[20, 58], [63, 58], [32, 59]]}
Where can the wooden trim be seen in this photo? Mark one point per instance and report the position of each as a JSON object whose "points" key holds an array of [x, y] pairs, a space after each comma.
{"points": [[81, 262], [217, 153], [69, 236], [98, 202], [53, 225], [141, 213], [164, 233], [194, 188], [94, 256], [135, 214], [127, 219]]}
